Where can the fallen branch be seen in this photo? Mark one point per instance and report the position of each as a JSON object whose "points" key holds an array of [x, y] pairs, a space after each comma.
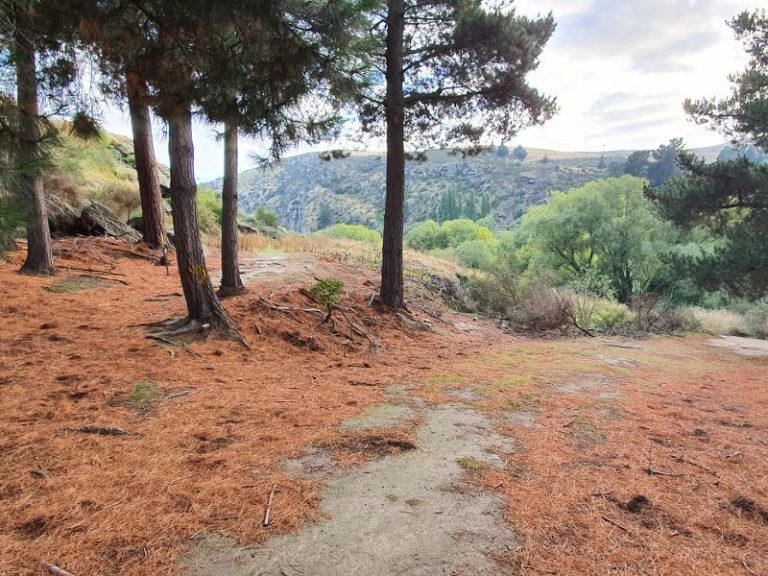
{"points": [[104, 431], [613, 522], [77, 268], [268, 511], [176, 343], [56, 571], [652, 472], [685, 460]]}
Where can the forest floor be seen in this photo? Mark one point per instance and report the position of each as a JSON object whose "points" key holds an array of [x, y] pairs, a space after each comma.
{"points": [[459, 450]]}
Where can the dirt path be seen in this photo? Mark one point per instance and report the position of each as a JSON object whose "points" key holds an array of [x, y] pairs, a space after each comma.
{"points": [[405, 514]]}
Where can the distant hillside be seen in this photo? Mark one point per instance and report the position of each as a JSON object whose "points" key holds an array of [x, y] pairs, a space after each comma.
{"points": [[352, 189]]}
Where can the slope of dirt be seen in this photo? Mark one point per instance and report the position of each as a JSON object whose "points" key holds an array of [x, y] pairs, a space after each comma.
{"points": [[630, 457]]}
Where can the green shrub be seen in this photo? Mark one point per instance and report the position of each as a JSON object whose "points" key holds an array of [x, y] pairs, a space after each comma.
{"points": [[267, 217], [430, 235], [757, 318], [609, 315], [353, 232], [476, 254], [328, 290], [495, 294], [208, 210], [13, 216]]}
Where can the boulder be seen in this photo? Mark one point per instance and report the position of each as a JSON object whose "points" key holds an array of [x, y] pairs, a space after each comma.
{"points": [[62, 218], [98, 220]]}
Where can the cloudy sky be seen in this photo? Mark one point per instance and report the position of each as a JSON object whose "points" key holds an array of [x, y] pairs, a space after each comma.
{"points": [[620, 70]]}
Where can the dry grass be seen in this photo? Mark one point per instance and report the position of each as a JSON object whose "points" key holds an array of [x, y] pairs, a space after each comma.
{"points": [[351, 252], [721, 322]]}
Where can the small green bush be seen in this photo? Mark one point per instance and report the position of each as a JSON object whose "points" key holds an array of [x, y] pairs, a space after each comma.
{"points": [[610, 315], [353, 232], [328, 290], [757, 318], [208, 210], [266, 217], [476, 254]]}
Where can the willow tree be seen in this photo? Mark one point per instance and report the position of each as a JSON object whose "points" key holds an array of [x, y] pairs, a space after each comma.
{"points": [[455, 75]]}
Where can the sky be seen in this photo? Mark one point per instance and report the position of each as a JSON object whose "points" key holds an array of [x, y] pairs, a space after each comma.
{"points": [[620, 70]]}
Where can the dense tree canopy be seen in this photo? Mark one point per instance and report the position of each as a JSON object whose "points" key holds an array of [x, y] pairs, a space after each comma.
{"points": [[606, 230]]}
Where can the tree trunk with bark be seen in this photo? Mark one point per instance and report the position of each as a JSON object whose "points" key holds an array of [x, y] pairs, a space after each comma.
{"points": [[152, 207], [39, 254], [392, 248], [230, 267], [202, 303]]}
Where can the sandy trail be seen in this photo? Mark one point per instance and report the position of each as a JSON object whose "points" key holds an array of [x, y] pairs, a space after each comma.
{"points": [[403, 514]]}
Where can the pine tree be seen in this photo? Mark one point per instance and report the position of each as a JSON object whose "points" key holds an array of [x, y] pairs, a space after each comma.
{"points": [[30, 153], [455, 74]]}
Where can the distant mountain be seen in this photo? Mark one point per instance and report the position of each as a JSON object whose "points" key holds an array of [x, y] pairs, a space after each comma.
{"points": [[306, 191]]}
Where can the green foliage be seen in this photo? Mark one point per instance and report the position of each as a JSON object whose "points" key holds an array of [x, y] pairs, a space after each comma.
{"points": [[757, 318], [208, 210], [450, 234], [328, 290], [13, 215], [353, 232], [477, 254], [728, 200], [266, 217], [325, 216], [606, 228], [520, 153]]}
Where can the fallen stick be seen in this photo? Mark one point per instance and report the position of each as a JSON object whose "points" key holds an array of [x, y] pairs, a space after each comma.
{"points": [[77, 268], [170, 342], [104, 431], [685, 460], [268, 511], [652, 472], [56, 571], [627, 530]]}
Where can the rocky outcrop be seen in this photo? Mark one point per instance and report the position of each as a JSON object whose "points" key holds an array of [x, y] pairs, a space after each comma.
{"points": [[94, 220]]}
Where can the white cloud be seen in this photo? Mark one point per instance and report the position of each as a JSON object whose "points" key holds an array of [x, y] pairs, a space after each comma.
{"points": [[655, 53]]}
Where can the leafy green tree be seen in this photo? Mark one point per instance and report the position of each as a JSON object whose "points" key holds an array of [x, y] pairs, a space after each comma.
{"points": [[267, 217], [502, 151], [325, 216], [453, 72], [470, 207], [430, 235], [485, 206], [606, 227], [520, 153]]}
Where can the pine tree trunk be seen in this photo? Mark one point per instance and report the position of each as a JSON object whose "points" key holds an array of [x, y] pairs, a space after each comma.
{"points": [[202, 303], [152, 208], [392, 249], [230, 268], [39, 254]]}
